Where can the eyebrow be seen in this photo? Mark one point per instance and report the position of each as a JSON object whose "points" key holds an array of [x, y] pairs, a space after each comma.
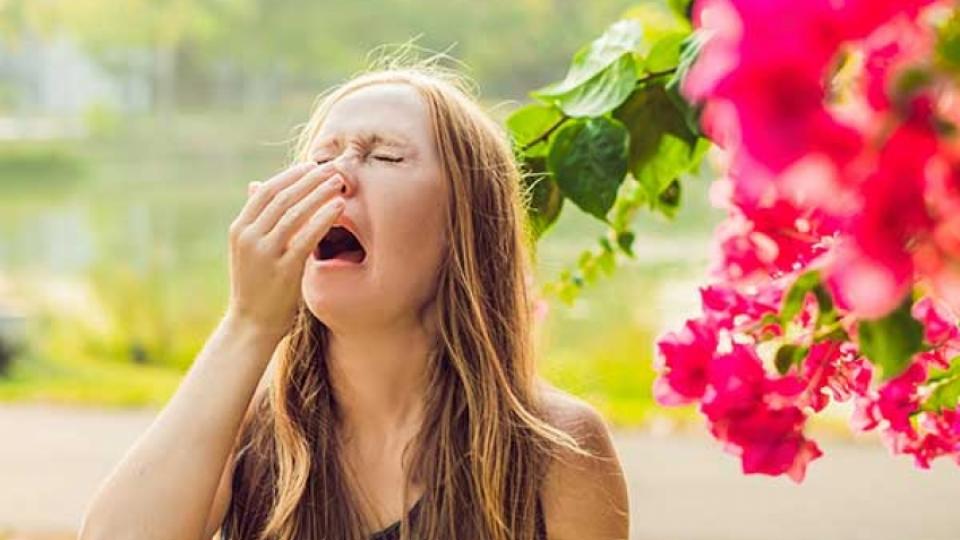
{"points": [[371, 138]]}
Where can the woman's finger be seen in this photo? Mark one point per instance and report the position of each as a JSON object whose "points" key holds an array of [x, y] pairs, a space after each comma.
{"points": [[307, 238], [286, 198], [265, 193], [294, 217]]}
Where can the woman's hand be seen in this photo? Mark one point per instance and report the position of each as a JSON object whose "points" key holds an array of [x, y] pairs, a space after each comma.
{"points": [[174, 491], [270, 240]]}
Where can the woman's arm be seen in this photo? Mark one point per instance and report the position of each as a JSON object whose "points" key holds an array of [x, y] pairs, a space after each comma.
{"points": [[221, 499], [164, 486]]}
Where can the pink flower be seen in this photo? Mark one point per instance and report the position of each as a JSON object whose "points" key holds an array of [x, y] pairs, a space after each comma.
{"points": [[875, 269], [863, 285], [787, 453], [682, 361], [867, 192], [723, 304], [887, 51], [940, 326], [861, 17], [938, 436], [782, 116], [865, 416], [755, 416], [899, 398], [736, 382], [946, 235], [818, 368], [941, 437]]}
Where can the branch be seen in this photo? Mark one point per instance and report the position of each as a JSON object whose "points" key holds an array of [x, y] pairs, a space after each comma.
{"points": [[545, 135]]}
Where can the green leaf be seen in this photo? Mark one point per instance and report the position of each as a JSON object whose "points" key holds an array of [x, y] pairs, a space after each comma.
{"points": [[657, 21], [567, 287], [793, 300], [544, 198], [598, 95], [787, 356], [528, 123], [607, 259], [827, 312], [669, 199], [947, 49], [625, 240], [827, 317], [601, 76], [665, 53], [630, 198], [891, 341], [944, 396], [621, 37], [683, 8], [588, 158], [938, 375], [946, 388], [661, 147], [689, 52], [588, 266]]}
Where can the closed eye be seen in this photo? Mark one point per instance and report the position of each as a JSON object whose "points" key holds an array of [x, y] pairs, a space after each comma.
{"points": [[389, 159]]}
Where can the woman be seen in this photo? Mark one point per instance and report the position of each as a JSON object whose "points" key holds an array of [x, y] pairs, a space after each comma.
{"points": [[385, 275]]}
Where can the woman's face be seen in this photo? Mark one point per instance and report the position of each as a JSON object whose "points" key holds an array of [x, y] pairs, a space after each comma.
{"points": [[380, 138]]}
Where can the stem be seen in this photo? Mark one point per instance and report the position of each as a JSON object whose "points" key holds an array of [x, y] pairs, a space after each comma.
{"points": [[655, 74], [827, 330], [546, 134]]}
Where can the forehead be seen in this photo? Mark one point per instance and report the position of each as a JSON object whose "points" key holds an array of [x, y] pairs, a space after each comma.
{"points": [[383, 112]]}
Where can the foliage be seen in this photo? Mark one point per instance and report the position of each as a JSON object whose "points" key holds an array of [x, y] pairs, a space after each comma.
{"points": [[611, 137]]}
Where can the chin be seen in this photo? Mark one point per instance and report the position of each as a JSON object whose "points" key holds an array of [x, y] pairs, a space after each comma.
{"points": [[336, 305]]}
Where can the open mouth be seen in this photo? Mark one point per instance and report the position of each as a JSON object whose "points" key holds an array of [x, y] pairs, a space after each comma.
{"points": [[339, 243]]}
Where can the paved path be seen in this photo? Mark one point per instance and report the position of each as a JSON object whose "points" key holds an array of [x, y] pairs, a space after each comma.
{"points": [[681, 487]]}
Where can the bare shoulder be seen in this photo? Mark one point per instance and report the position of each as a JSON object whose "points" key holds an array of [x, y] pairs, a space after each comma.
{"points": [[584, 497]]}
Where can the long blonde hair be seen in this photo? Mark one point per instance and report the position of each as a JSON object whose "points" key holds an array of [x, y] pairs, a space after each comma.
{"points": [[485, 444]]}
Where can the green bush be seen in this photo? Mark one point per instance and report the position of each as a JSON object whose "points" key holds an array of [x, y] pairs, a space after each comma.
{"points": [[32, 164]]}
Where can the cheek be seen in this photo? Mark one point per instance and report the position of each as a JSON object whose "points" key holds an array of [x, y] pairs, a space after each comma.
{"points": [[411, 226]]}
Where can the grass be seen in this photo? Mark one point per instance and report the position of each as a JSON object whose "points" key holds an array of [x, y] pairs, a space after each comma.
{"points": [[614, 373], [109, 384], [602, 348]]}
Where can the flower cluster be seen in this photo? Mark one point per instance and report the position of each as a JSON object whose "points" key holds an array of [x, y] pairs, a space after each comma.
{"points": [[839, 264]]}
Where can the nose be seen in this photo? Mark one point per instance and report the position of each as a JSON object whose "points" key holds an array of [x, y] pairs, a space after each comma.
{"points": [[344, 165]]}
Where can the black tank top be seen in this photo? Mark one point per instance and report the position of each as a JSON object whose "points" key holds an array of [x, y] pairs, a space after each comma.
{"points": [[393, 531]]}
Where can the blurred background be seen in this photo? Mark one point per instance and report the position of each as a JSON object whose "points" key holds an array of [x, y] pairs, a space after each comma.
{"points": [[129, 130]]}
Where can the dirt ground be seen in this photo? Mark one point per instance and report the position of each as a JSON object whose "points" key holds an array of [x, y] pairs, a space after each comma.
{"points": [[682, 487]]}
